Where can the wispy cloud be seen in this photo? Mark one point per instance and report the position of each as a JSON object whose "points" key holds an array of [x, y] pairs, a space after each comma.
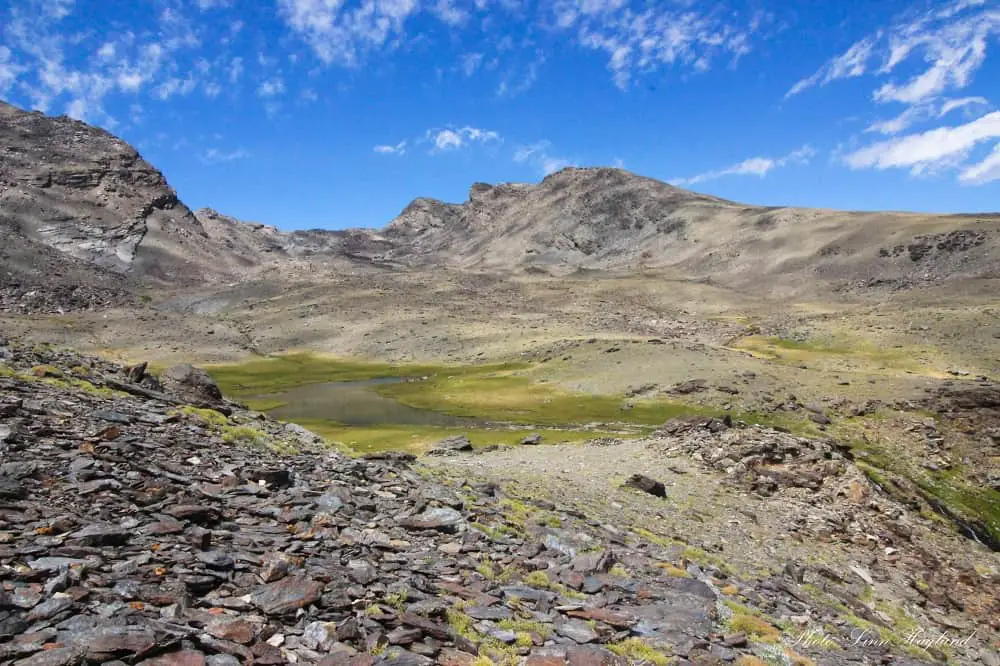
{"points": [[932, 151], [448, 139], [984, 171], [939, 51], [340, 33], [851, 63], [398, 149], [639, 41], [951, 43], [271, 88], [216, 156], [754, 166], [538, 155]]}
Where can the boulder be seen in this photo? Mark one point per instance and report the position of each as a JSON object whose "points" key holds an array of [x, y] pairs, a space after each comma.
{"points": [[191, 384]]}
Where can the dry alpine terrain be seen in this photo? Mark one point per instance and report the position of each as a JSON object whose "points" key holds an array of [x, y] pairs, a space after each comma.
{"points": [[770, 435]]}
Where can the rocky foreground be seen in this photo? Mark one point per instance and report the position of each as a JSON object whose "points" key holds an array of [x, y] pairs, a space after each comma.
{"points": [[150, 521]]}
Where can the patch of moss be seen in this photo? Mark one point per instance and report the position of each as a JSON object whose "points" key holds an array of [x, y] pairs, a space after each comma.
{"points": [[46, 371], [494, 533], [7, 371], [207, 416], [248, 436], [796, 659], [527, 627], [637, 650], [750, 660], [755, 627], [654, 538], [699, 556], [619, 571], [672, 570], [397, 601], [537, 579]]}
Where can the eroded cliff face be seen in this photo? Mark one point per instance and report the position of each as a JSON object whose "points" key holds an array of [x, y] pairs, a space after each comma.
{"points": [[86, 193]]}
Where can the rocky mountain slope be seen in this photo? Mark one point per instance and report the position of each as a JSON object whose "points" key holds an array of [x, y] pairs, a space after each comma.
{"points": [[80, 209], [155, 523], [609, 219]]}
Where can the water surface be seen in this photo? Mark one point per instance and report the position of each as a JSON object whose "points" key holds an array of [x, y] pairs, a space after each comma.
{"points": [[355, 404]]}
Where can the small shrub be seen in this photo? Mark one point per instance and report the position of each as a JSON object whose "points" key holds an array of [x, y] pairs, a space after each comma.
{"points": [[636, 650], [754, 627], [208, 416], [537, 579]]}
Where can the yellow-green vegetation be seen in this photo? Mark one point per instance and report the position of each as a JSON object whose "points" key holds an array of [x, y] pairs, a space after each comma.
{"points": [[494, 533], [656, 539], [842, 352], [948, 492], [482, 661], [396, 601], [699, 556], [750, 660], [796, 659], [510, 395], [529, 627], [273, 374], [747, 621], [637, 650], [619, 571], [69, 383], [249, 436], [537, 579], [491, 650], [207, 416], [672, 570]]}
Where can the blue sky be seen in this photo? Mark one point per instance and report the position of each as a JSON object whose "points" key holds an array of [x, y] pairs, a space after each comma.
{"points": [[336, 113]]}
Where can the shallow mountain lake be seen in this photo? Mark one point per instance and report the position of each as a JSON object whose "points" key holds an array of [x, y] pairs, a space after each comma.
{"points": [[354, 404]]}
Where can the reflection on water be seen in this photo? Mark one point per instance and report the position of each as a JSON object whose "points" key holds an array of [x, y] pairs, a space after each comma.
{"points": [[356, 404]]}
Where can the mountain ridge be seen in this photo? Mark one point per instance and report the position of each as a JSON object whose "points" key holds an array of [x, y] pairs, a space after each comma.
{"points": [[91, 198]]}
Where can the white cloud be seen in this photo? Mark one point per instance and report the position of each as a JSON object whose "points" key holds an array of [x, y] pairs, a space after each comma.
{"points": [[235, 70], [271, 88], [9, 71], [398, 149], [983, 172], [952, 104], [933, 150], [516, 83], [537, 154], [454, 138], [449, 13], [470, 62], [341, 34], [851, 63], [951, 43], [909, 117], [59, 66], [638, 42], [174, 86], [754, 166], [216, 156]]}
